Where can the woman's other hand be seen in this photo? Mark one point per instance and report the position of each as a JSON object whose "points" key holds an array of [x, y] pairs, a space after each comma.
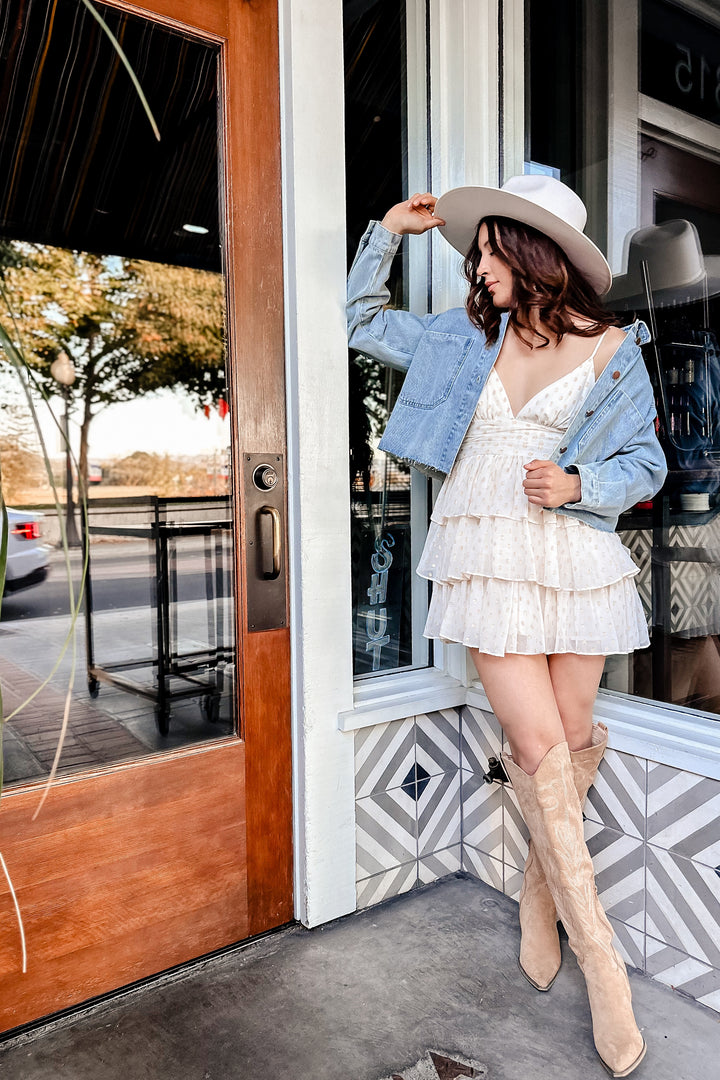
{"points": [[546, 484], [415, 215]]}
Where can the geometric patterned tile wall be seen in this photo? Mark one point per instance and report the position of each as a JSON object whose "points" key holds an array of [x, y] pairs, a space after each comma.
{"points": [[425, 811], [407, 799]]}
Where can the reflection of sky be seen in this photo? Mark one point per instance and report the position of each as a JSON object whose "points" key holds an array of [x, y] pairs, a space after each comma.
{"points": [[166, 422]]}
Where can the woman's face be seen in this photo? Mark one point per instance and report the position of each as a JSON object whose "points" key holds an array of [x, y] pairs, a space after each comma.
{"points": [[496, 273]]}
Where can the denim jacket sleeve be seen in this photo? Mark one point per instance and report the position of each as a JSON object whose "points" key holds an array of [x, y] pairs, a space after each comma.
{"points": [[632, 474], [388, 335]]}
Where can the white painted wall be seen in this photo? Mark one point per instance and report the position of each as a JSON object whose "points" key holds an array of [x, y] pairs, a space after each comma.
{"points": [[312, 101]]}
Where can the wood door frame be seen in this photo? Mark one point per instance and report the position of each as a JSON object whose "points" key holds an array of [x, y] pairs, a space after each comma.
{"points": [[201, 781]]}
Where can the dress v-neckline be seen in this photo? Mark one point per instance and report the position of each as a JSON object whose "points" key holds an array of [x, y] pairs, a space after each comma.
{"points": [[542, 389], [560, 378]]}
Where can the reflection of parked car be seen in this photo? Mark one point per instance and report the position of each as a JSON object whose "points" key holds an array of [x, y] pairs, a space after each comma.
{"points": [[27, 556]]}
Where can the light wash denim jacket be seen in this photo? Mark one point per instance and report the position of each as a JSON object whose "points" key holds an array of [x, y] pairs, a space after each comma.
{"points": [[611, 441]]}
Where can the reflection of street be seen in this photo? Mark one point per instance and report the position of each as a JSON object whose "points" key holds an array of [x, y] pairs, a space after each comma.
{"points": [[120, 578], [117, 725]]}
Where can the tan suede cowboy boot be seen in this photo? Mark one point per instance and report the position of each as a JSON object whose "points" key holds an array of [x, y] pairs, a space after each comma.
{"points": [[551, 808], [539, 943]]}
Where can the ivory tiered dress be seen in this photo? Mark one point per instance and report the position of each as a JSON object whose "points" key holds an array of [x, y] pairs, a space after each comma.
{"points": [[508, 575]]}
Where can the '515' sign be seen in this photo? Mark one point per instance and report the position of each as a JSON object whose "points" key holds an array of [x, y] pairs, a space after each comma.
{"points": [[680, 59]]}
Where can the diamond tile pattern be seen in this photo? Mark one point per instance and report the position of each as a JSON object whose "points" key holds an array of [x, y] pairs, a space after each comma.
{"points": [[418, 815], [386, 831], [480, 739], [630, 943], [683, 905], [483, 866], [683, 813], [617, 798], [619, 862], [437, 741], [439, 814], [482, 815], [439, 864], [383, 756], [381, 887], [653, 832]]}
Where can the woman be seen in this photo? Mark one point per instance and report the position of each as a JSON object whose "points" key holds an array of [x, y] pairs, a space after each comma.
{"points": [[540, 411]]}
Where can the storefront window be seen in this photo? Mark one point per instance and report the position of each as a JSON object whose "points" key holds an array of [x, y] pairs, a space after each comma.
{"points": [[623, 104], [383, 586], [119, 609]]}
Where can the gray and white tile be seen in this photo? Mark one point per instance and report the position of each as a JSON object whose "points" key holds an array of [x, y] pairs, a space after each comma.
{"points": [[630, 943], [384, 755], [512, 881], [440, 864], [619, 863], [381, 887], [684, 813], [483, 866], [482, 815], [683, 905], [438, 812], [386, 831], [617, 798], [480, 738], [437, 741], [515, 833], [682, 972]]}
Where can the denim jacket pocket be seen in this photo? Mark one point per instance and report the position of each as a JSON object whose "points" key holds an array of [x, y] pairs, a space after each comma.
{"points": [[435, 366]]}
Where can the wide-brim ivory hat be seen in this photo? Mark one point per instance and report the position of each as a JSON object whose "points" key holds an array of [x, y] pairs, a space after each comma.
{"points": [[678, 272], [540, 201]]}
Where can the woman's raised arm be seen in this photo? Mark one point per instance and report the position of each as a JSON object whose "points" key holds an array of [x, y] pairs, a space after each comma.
{"points": [[388, 335]]}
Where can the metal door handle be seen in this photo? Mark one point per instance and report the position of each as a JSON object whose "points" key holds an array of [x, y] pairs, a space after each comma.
{"points": [[276, 525]]}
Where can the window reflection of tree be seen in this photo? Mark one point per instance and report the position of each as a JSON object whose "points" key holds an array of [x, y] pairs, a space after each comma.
{"points": [[130, 327]]}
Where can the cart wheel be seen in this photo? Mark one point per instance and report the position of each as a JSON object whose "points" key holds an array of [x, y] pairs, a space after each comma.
{"points": [[210, 706], [162, 716], [93, 688]]}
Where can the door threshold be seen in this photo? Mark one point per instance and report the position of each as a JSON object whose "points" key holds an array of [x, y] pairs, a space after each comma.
{"points": [[24, 1033]]}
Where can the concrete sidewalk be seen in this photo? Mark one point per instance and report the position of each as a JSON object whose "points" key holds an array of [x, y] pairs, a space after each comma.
{"points": [[364, 998]]}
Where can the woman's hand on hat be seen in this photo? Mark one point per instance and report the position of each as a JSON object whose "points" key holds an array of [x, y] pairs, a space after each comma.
{"points": [[546, 484], [415, 215]]}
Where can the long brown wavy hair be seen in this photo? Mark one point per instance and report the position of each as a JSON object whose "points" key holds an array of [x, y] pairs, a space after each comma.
{"points": [[546, 287]]}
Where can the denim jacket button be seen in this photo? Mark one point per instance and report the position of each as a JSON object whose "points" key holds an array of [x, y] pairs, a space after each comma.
{"points": [[616, 375], [589, 412], [638, 340], [563, 449]]}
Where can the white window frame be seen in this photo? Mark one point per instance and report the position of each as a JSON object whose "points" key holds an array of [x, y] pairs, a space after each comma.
{"points": [[471, 117]]}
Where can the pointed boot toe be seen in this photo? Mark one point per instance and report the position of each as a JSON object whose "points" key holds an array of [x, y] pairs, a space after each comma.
{"points": [[540, 955], [550, 805]]}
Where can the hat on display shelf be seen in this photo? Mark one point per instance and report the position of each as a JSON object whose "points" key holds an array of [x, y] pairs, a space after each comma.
{"points": [[678, 272]]}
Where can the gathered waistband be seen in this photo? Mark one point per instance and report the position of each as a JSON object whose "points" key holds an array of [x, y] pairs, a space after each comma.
{"points": [[510, 437]]}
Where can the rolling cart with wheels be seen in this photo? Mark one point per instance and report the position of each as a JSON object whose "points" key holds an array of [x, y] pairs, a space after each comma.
{"points": [[177, 675]]}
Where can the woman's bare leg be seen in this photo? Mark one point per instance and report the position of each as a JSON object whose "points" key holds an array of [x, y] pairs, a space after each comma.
{"points": [[521, 694], [575, 680]]}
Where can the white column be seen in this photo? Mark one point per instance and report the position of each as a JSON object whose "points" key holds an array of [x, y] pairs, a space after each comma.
{"points": [[312, 104]]}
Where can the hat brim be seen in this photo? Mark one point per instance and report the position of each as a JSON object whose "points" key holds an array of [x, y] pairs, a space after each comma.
{"points": [[462, 209], [624, 295]]}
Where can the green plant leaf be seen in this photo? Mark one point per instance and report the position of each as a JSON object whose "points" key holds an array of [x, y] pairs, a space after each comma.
{"points": [[119, 50]]}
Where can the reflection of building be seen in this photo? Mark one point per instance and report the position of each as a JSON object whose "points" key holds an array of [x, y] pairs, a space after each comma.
{"points": [[618, 98]]}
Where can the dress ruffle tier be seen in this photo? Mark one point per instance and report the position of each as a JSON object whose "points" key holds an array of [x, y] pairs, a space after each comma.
{"points": [[510, 576]]}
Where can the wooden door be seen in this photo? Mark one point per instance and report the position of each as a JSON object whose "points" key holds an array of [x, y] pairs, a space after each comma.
{"points": [[135, 868]]}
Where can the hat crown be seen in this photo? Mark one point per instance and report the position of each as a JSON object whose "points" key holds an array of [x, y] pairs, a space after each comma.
{"points": [[551, 195], [673, 254]]}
